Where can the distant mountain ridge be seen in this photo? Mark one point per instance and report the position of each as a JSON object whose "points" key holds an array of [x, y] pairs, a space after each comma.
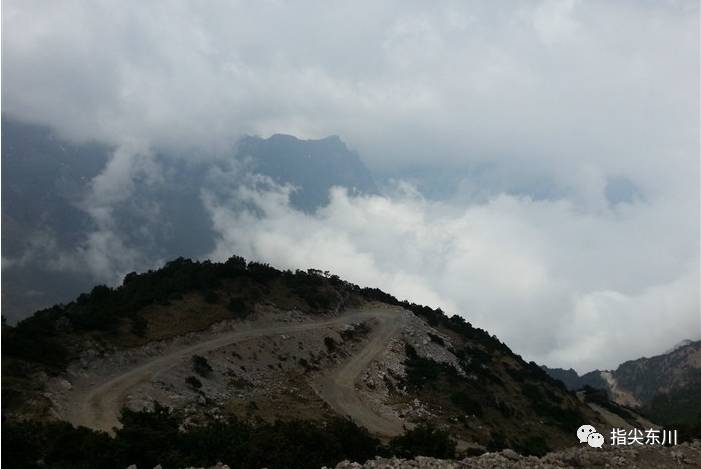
{"points": [[312, 165], [571, 379], [46, 181], [671, 379]]}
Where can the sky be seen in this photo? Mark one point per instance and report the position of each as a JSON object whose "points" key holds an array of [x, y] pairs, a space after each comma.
{"points": [[570, 129]]}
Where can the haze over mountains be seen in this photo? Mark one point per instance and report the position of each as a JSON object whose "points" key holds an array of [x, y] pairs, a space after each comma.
{"points": [[77, 214], [62, 222]]}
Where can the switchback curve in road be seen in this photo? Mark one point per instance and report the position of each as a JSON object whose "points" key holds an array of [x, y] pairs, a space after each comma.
{"points": [[99, 404]]}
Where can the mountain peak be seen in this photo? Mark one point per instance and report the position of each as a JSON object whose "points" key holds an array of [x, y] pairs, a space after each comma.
{"points": [[308, 164]]}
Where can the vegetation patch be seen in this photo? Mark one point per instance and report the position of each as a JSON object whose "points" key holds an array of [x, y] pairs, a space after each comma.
{"points": [[436, 339], [422, 371], [148, 438], [330, 344], [201, 366], [424, 440], [193, 382], [465, 403]]}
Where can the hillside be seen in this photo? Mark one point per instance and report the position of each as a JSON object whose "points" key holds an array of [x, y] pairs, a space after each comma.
{"points": [[245, 341]]}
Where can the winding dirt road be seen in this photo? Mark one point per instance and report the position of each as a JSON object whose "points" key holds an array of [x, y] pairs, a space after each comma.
{"points": [[337, 387], [98, 404]]}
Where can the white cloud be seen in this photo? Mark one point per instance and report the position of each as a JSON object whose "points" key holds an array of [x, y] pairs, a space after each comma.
{"points": [[553, 21], [559, 286], [548, 83]]}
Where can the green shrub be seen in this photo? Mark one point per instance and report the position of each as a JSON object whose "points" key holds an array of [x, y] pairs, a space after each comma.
{"points": [[148, 438], [330, 344], [423, 371], [436, 339], [424, 440], [193, 382], [533, 446], [201, 366], [237, 306], [463, 402], [139, 325], [211, 297]]}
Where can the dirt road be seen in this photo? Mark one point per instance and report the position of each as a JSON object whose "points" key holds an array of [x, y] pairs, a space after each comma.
{"points": [[98, 404], [337, 387]]}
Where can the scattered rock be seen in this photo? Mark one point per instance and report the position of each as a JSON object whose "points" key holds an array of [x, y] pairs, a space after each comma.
{"points": [[641, 457], [511, 454]]}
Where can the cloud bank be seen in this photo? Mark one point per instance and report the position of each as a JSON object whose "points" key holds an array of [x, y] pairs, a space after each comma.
{"points": [[561, 287], [561, 86]]}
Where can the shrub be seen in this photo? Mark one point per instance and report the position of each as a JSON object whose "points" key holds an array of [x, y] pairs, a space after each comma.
{"points": [[463, 402], [497, 441], [200, 365], [424, 440], [330, 343], [139, 325], [149, 438], [34, 347], [436, 339], [238, 307], [193, 382], [58, 445], [422, 371], [533, 446], [305, 364], [211, 297]]}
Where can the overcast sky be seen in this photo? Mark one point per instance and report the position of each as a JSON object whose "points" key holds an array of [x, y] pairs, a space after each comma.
{"points": [[593, 103]]}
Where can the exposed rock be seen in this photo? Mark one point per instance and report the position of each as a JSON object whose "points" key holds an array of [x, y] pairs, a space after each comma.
{"points": [[642, 457]]}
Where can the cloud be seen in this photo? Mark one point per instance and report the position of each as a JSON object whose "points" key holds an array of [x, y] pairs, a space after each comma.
{"points": [[116, 243], [572, 92], [560, 287], [553, 21], [549, 84]]}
